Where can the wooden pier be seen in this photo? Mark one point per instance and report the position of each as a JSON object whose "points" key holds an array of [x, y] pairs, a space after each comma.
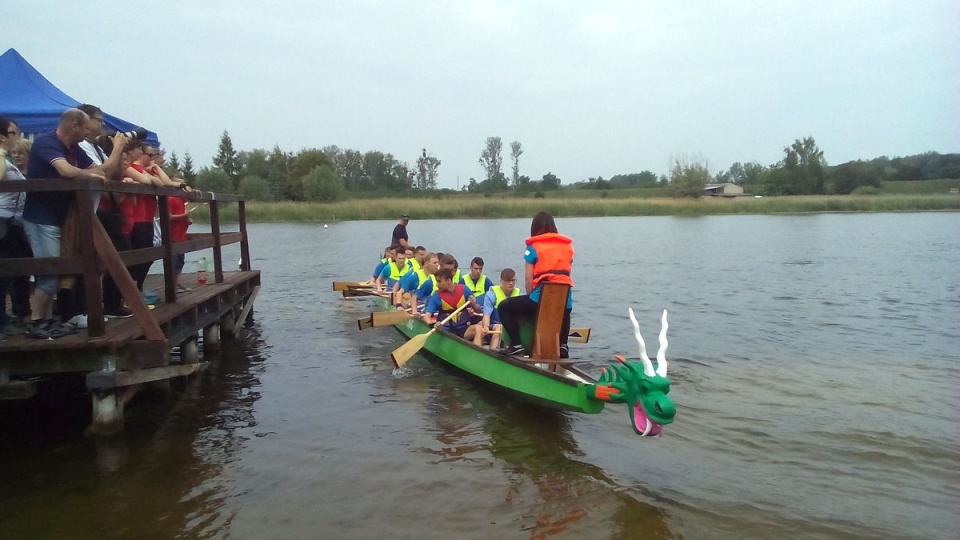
{"points": [[117, 356]]}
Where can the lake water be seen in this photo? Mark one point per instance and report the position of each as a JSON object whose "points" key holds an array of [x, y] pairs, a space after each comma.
{"points": [[814, 361]]}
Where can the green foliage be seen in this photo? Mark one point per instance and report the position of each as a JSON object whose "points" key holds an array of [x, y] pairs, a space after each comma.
{"points": [[255, 188], [802, 171], [640, 179], [427, 171], [491, 159], [550, 182], [322, 184], [849, 177], [866, 190], [227, 159], [188, 173], [213, 179], [741, 173], [516, 150], [689, 176], [174, 164]]}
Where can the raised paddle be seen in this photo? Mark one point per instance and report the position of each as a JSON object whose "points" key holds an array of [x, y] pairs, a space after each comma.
{"points": [[403, 353]]}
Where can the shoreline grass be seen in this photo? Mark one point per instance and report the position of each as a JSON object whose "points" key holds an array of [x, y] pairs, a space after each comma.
{"points": [[499, 207]]}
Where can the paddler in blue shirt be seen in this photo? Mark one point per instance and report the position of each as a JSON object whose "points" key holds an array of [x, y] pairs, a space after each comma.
{"points": [[491, 301], [422, 283], [450, 262], [388, 254], [393, 271], [476, 281]]}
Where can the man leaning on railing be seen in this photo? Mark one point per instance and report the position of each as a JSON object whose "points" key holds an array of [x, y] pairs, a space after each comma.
{"points": [[54, 155]]}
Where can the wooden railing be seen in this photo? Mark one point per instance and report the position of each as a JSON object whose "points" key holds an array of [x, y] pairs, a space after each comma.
{"points": [[98, 255]]}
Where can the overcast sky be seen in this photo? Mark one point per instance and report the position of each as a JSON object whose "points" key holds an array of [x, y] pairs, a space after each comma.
{"points": [[589, 88]]}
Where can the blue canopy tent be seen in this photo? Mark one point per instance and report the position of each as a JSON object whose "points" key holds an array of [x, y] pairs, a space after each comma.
{"points": [[35, 104]]}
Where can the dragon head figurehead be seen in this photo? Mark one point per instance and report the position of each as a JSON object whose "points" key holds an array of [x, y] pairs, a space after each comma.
{"points": [[641, 387]]}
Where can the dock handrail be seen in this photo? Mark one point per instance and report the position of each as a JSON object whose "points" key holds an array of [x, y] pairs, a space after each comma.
{"points": [[97, 253]]}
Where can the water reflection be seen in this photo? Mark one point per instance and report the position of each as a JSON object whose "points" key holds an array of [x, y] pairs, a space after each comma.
{"points": [[548, 492], [156, 479]]}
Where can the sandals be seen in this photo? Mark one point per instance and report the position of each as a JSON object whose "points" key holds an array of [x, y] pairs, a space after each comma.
{"points": [[49, 329]]}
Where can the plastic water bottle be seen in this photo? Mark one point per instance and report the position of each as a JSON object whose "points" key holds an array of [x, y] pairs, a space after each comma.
{"points": [[202, 271]]}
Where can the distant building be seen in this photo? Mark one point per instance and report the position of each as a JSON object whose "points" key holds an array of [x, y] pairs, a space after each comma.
{"points": [[723, 190]]}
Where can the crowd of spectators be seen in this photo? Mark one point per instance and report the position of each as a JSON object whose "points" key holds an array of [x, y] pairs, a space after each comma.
{"points": [[44, 223]]}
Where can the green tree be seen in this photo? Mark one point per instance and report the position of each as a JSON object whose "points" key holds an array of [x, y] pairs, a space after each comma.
{"points": [[688, 176], [515, 151], [803, 170], [188, 173], [174, 163], [213, 179], [550, 181], [227, 159], [852, 175], [278, 163], [322, 184], [255, 188], [427, 171], [303, 164], [255, 163], [491, 159]]}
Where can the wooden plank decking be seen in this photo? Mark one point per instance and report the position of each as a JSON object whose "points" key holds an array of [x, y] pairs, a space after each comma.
{"points": [[194, 310]]}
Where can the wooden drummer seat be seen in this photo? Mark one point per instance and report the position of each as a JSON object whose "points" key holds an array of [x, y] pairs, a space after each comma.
{"points": [[546, 340]]}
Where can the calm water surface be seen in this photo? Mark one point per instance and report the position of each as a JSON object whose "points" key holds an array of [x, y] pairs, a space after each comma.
{"points": [[814, 365]]}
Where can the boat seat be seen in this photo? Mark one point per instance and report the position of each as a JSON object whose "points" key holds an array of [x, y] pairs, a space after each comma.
{"points": [[546, 340]]}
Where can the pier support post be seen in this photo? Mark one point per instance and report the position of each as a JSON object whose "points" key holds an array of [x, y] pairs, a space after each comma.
{"points": [[228, 322], [211, 337], [107, 413], [189, 352]]}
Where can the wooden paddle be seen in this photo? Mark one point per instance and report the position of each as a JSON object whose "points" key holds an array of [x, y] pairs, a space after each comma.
{"points": [[387, 318], [378, 319], [578, 335], [384, 318], [403, 353], [345, 285], [350, 293]]}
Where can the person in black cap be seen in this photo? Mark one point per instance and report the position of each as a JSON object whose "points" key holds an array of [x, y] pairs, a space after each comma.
{"points": [[400, 233]]}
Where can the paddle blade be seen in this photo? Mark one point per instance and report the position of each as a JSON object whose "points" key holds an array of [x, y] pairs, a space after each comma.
{"points": [[344, 285], [350, 293], [366, 322], [578, 335], [406, 351], [387, 318]]}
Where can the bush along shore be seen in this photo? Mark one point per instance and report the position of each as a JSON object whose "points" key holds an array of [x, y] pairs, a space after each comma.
{"points": [[586, 205]]}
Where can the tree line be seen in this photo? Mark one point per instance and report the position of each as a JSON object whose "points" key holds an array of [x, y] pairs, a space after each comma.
{"points": [[332, 173]]}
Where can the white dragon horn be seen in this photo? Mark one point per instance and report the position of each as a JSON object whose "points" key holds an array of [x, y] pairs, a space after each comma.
{"points": [[647, 364], [662, 351]]}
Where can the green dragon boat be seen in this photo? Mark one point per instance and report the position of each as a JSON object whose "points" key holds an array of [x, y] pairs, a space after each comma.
{"points": [[634, 382]]}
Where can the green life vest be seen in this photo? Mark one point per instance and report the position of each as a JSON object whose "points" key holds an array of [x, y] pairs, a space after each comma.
{"points": [[395, 271], [501, 296], [476, 287]]}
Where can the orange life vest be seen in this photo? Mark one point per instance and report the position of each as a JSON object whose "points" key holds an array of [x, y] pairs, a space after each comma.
{"points": [[554, 258]]}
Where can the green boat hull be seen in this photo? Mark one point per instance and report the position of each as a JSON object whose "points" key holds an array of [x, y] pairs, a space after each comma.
{"points": [[514, 375]]}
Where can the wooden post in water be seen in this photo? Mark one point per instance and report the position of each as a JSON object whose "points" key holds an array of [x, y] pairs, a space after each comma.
{"points": [[211, 337], [189, 352]]}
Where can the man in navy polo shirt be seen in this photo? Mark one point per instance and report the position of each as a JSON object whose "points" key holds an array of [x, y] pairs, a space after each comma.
{"points": [[54, 155]]}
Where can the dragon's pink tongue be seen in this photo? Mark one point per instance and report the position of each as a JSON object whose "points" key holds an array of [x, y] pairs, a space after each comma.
{"points": [[642, 421]]}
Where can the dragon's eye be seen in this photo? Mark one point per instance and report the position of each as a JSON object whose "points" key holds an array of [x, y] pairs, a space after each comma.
{"points": [[657, 407]]}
